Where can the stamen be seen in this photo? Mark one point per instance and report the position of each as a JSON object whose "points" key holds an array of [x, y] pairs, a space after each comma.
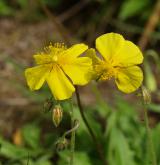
{"points": [[59, 45], [107, 75], [105, 71], [55, 49]]}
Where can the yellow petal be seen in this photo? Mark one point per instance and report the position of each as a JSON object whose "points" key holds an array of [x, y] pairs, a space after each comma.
{"points": [[128, 55], [129, 79], [59, 84], [36, 76], [79, 70], [73, 52], [42, 58], [109, 45]]}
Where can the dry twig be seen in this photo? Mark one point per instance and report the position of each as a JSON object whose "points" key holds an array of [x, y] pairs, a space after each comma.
{"points": [[150, 26]]}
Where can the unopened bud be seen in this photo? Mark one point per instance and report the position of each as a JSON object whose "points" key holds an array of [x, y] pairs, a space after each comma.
{"points": [[61, 144], [146, 95], [57, 115]]}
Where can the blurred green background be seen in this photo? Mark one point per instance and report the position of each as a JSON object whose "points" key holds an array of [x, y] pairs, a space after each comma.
{"points": [[27, 132]]}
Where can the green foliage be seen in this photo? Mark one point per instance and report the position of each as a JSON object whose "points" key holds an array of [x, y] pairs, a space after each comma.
{"points": [[5, 10], [132, 8], [150, 78], [117, 148], [22, 3], [31, 134], [32, 150], [25, 7], [124, 133], [124, 128], [154, 108], [80, 158], [156, 141], [120, 132], [11, 151]]}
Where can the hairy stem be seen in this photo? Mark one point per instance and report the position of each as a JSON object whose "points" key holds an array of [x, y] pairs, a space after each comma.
{"points": [[72, 135], [150, 141], [94, 138]]}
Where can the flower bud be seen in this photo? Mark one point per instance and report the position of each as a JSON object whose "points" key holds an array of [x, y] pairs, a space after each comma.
{"points": [[61, 144], [146, 95], [57, 115]]}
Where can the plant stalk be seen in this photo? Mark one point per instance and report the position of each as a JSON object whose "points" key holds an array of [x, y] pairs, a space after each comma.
{"points": [[150, 141], [94, 138], [72, 135]]}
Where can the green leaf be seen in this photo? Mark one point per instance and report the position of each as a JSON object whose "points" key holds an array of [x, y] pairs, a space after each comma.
{"points": [[132, 8], [124, 128], [11, 151], [43, 162], [119, 145], [31, 135], [150, 80], [155, 57], [36, 162], [154, 107], [80, 158]]}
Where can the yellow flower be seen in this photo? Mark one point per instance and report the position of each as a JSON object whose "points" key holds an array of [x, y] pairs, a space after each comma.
{"points": [[60, 68], [119, 60]]}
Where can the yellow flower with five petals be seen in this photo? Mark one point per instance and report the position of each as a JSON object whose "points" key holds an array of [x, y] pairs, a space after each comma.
{"points": [[60, 68], [119, 60]]}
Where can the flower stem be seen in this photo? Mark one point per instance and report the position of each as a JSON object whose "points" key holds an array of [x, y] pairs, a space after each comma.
{"points": [[150, 141], [72, 135], [94, 138]]}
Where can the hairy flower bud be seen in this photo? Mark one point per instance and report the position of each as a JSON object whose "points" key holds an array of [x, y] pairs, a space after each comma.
{"points": [[146, 95], [61, 144], [57, 115]]}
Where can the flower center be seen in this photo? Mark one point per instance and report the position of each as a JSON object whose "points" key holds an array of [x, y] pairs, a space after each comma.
{"points": [[55, 50], [105, 71]]}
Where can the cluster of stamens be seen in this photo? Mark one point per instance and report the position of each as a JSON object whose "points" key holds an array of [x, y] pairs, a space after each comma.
{"points": [[55, 49], [104, 71]]}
